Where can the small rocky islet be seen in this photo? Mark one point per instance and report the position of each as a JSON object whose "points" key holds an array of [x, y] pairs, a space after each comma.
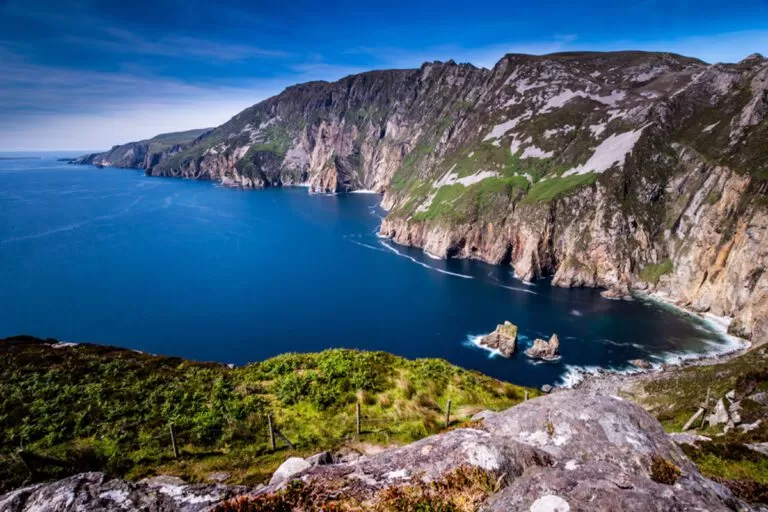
{"points": [[504, 340]]}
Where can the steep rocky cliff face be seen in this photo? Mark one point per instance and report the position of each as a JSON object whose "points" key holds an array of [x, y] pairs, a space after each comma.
{"points": [[144, 154], [625, 170], [567, 451]]}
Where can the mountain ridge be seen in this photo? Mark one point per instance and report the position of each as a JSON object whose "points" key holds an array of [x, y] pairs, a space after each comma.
{"points": [[622, 170]]}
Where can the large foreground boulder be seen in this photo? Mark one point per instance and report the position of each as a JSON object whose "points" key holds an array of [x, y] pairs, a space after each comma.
{"points": [[567, 451]]}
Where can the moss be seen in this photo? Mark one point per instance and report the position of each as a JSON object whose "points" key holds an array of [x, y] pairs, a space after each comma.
{"points": [[485, 200], [652, 273], [713, 197], [663, 471], [552, 188], [461, 490]]}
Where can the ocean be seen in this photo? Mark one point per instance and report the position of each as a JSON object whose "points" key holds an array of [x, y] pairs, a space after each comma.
{"points": [[196, 270]]}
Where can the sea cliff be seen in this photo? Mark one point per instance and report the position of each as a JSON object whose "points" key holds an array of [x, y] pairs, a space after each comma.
{"points": [[628, 171]]}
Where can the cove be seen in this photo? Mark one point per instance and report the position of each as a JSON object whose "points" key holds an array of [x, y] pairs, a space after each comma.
{"points": [[192, 269]]}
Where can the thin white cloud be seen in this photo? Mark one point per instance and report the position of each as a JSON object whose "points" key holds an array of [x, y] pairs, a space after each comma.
{"points": [[113, 39]]}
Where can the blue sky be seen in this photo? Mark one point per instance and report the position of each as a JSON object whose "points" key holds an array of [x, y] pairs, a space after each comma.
{"points": [[89, 74]]}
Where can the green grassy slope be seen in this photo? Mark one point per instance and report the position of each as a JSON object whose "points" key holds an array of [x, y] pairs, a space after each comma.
{"points": [[103, 408]]}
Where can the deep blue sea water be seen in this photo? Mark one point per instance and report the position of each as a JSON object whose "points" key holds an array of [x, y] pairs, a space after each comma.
{"points": [[192, 269]]}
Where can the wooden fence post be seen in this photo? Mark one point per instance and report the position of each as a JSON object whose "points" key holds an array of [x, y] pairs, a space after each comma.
{"points": [[271, 432], [526, 395], [172, 428], [448, 414], [357, 416], [706, 408]]}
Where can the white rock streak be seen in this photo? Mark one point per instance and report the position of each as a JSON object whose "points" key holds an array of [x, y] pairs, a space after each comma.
{"points": [[611, 151]]}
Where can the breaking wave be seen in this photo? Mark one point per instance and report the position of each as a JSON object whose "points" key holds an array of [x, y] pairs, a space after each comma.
{"points": [[463, 276]]}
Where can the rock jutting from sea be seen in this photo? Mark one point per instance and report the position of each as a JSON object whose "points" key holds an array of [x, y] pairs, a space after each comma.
{"points": [[546, 350], [503, 339]]}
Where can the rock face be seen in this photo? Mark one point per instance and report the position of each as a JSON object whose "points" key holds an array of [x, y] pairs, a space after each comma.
{"points": [[547, 350], [566, 451], [98, 492], [630, 171], [289, 468], [144, 154], [503, 339]]}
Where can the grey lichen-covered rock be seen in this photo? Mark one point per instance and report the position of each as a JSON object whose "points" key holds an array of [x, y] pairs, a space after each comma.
{"points": [[503, 339], [287, 469], [546, 350], [98, 492], [567, 451], [320, 459], [603, 450], [719, 415]]}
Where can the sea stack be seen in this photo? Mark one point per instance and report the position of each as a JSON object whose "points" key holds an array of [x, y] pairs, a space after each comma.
{"points": [[503, 339], [547, 350]]}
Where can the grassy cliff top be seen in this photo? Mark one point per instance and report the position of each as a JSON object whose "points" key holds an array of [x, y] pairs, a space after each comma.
{"points": [[91, 407]]}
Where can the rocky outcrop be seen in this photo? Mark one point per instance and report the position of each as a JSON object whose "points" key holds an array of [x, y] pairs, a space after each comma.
{"points": [[144, 154], [99, 492], [547, 350], [565, 451], [503, 339]]}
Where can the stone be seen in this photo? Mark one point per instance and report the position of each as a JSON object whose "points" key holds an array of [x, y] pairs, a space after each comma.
{"points": [[686, 438], [218, 476], [548, 351], [503, 339], [748, 427], [720, 415], [289, 468], [641, 364], [731, 395], [98, 492], [482, 415], [546, 388], [320, 459], [761, 398], [759, 447]]}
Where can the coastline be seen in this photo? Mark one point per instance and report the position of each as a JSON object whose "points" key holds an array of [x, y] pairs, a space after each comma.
{"points": [[612, 382], [588, 377]]}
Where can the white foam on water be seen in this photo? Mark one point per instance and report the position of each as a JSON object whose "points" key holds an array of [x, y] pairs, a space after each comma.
{"points": [[361, 244], [576, 312], [712, 324], [463, 276], [73, 226], [515, 288], [473, 340], [363, 191]]}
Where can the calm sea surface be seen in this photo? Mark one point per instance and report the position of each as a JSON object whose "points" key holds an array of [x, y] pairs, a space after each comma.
{"points": [[192, 269]]}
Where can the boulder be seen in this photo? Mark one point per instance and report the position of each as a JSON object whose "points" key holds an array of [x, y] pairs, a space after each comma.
{"points": [[320, 459], [503, 339], [719, 415], [542, 349], [686, 438], [641, 364], [287, 469]]}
